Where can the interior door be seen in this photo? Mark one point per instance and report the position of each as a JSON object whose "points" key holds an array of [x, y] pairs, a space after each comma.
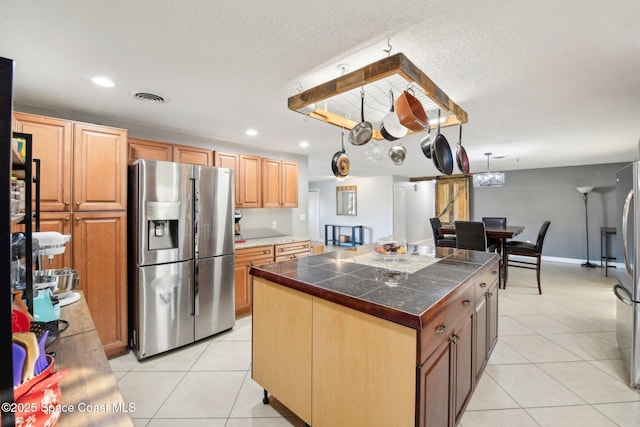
{"points": [[452, 199], [314, 214]]}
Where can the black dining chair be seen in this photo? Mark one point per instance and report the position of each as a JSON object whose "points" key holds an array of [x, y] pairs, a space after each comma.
{"points": [[471, 235], [494, 221], [526, 249], [440, 239]]}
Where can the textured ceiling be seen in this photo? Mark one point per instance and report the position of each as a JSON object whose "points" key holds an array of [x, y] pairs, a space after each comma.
{"points": [[545, 83]]}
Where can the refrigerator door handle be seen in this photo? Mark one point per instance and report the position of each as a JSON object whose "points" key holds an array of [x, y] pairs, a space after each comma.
{"points": [[196, 216], [625, 219], [196, 289], [629, 300]]}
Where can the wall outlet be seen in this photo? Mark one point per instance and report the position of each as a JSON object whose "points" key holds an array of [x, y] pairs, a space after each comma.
{"points": [[303, 217], [274, 224]]}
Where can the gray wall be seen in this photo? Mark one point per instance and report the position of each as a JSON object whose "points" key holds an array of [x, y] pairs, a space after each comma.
{"points": [[531, 196]]}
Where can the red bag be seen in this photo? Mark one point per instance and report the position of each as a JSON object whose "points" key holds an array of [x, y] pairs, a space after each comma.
{"points": [[37, 399]]}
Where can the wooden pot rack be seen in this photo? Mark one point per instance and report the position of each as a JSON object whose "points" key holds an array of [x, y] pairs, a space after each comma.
{"points": [[337, 102]]}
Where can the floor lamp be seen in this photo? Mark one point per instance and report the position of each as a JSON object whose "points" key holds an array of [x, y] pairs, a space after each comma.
{"points": [[585, 195]]}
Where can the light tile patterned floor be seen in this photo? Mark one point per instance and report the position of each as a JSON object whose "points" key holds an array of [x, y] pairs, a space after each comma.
{"points": [[555, 364]]}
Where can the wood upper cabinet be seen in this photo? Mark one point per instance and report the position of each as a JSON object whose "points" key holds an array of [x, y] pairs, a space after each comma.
{"points": [[279, 184], [230, 161], [52, 142], [250, 194], [99, 168], [150, 150], [194, 155], [100, 257]]}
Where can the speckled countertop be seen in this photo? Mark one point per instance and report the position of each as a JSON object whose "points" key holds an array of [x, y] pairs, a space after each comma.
{"points": [[277, 240], [390, 290]]}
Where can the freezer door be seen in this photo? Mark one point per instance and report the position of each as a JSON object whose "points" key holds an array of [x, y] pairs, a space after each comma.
{"points": [[627, 333], [214, 194], [214, 295], [161, 205], [162, 308], [626, 229]]}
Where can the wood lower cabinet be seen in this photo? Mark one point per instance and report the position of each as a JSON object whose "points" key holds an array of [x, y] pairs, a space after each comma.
{"points": [[486, 318], [194, 155], [295, 250], [245, 258], [99, 256], [150, 150], [365, 370], [283, 332]]}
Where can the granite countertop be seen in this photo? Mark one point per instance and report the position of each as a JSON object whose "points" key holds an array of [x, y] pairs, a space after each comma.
{"points": [[401, 290], [275, 240]]}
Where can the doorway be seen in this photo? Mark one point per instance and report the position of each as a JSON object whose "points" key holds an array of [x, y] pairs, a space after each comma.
{"points": [[314, 214]]}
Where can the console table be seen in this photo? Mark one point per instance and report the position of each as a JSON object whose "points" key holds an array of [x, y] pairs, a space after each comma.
{"points": [[355, 235]]}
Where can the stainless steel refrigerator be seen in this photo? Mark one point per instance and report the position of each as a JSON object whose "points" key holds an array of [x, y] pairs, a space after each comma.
{"points": [[627, 261], [181, 254]]}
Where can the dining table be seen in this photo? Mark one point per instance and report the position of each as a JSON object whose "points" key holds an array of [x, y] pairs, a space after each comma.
{"points": [[500, 234]]}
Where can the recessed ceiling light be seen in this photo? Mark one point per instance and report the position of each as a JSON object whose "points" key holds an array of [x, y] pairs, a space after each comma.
{"points": [[251, 132], [303, 144], [103, 81]]}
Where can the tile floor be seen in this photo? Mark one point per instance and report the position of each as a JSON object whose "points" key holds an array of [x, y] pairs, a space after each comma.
{"points": [[555, 364]]}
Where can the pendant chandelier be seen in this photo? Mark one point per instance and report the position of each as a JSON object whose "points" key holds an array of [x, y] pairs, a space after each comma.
{"points": [[488, 178]]}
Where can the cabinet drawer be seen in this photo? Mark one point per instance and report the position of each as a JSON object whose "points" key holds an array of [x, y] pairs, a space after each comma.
{"points": [[440, 326], [485, 281], [294, 255], [293, 248], [255, 256]]}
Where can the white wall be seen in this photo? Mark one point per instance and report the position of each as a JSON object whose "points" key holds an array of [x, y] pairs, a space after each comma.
{"points": [[374, 205], [420, 206]]}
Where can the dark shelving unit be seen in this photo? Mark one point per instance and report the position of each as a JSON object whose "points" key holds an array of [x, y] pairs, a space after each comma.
{"points": [[6, 354]]}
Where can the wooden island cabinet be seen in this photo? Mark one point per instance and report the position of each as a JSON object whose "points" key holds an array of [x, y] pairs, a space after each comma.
{"points": [[359, 349]]}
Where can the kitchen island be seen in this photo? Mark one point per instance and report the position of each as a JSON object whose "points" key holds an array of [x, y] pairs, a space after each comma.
{"points": [[352, 338]]}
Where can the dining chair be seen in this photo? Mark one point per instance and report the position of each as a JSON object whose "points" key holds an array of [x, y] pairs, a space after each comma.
{"points": [[526, 249], [471, 235], [440, 239], [494, 221]]}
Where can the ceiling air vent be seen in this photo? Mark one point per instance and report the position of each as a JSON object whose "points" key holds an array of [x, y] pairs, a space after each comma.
{"points": [[147, 96]]}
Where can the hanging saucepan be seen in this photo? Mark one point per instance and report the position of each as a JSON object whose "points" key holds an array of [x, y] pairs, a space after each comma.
{"points": [[362, 132], [340, 163], [391, 129], [397, 153], [425, 144], [411, 113], [441, 152], [461, 155]]}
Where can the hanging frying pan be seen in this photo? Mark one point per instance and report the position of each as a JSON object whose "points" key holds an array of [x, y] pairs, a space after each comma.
{"points": [[362, 132], [391, 129], [425, 144], [441, 152], [340, 163], [461, 155]]}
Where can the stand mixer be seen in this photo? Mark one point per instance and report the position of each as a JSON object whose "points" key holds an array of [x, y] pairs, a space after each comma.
{"points": [[46, 307]]}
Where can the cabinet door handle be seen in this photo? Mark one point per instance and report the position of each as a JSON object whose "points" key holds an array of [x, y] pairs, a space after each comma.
{"points": [[265, 252], [489, 294], [494, 272], [466, 302], [66, 219], [77, 203], [455, 338], [66, 203], [441, 329], [77, 219], [483, 285]]}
